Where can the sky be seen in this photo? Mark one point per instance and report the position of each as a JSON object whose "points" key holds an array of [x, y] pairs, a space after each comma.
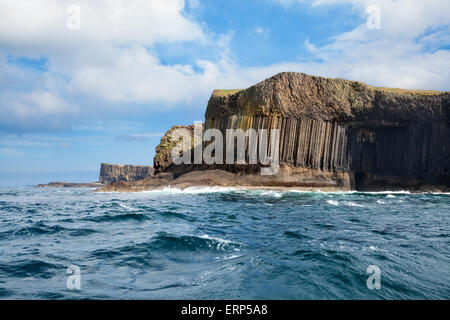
{"points": [[84, 82]]}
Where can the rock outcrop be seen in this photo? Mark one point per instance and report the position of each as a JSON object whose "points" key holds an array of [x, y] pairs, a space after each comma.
{"points": [[162, 162], [384, 138], [110, 173], [334, 134], [70, 185]]}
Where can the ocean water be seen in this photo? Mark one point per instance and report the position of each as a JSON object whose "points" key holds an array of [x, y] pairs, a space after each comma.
{"points": [[223, 243]]}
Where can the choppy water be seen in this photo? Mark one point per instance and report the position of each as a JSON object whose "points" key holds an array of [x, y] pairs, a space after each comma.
{"points": [[223, 244]]}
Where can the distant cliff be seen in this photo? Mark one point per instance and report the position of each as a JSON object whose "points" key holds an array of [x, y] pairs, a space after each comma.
{"points": [[70, 185], [334, 134], [110, 173]]}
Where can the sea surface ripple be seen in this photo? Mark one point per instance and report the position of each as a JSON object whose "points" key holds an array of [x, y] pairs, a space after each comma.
{"points": [[223, 243]]}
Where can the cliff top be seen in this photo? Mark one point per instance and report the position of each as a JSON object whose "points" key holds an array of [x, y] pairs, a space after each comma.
{"points": [[225, 92], [298, 95], [124, 165], [420, 92]]}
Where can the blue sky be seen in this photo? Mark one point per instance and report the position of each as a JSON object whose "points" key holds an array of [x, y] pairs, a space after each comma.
{"points": [[71, 98]]}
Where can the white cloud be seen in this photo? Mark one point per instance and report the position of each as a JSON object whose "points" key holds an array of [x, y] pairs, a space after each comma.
{"points": [[405, 52], [110, 61], [39, 108], [42, 24], [261, 31], [105, 60]]}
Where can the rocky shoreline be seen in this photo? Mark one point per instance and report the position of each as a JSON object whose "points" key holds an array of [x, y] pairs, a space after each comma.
{"points": [[71, 185], [221, 178]]}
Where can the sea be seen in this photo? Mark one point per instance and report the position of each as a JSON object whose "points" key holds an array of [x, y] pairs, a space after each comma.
{"points": [[223, 243]]}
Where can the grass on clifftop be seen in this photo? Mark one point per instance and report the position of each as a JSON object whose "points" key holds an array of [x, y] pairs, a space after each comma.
{"points": [[225, 92], [410, 91]]}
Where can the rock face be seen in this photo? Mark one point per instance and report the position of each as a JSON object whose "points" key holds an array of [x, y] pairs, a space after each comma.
{"points": [[162, 159], [335, 134], [381, 137], [110, 173]]}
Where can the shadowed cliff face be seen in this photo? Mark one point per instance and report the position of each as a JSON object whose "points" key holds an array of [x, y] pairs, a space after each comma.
{"points": [[384, 138], [110, 173]]}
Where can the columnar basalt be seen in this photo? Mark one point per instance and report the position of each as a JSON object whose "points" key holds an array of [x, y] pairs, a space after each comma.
{"points": [[383, 138]]}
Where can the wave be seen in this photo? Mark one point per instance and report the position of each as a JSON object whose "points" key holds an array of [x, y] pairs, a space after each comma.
{"points": [[29, 268], [118, 217], [126, 207], [333, 202], [164, 241], [153, 252], [173, 214], [41, 228], [192, 190], [264, 191], [295, 235], [353, 204]]}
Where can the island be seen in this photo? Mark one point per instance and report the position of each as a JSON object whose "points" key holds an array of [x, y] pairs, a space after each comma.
{"points": [[334, 135]]}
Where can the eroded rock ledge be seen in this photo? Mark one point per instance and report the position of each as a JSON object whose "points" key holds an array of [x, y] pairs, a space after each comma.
{"points": [[335, 134]]}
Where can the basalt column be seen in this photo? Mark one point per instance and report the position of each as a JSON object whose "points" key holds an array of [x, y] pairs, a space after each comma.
{"points": [[309, 143]]}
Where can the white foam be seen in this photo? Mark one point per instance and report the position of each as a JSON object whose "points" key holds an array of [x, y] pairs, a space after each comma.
{"points": [[205, 236], [389, 192], [191, 190], [352, 204], [221, 243], [264, 192], [126, 207], [373, 248], [276, 194], [333, 202]]}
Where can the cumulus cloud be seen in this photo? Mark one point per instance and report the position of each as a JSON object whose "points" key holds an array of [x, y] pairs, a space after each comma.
{"points": [[409, 50], [43, 25], [106, 59], [110, 61], [35, 109]]}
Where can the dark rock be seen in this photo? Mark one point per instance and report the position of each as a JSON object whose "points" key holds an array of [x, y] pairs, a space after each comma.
{"points": [[341, 125], [334, 134], [70, 185], [110, 173]]}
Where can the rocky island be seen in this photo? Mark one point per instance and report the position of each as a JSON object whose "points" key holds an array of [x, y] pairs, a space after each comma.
{"points": [[335, 134]]}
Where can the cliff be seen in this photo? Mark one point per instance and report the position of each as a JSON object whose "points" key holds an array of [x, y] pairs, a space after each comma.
{"points": [[335, 134], [382, 137], [110, 173]]}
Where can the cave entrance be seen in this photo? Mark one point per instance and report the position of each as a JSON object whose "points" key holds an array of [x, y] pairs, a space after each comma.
{"points": [[360, 180]]}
